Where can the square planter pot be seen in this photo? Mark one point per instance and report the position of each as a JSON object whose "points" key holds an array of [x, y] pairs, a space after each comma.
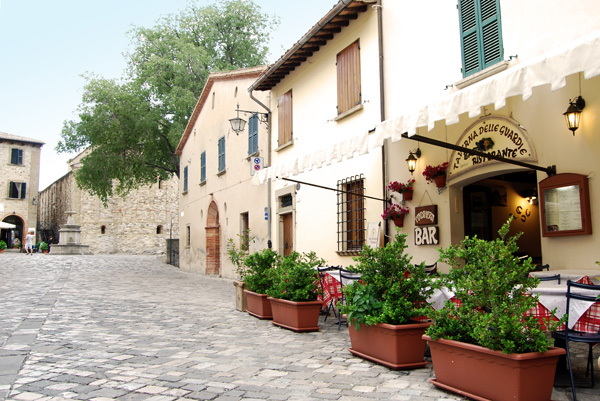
{"points": [[258, 305], [394, 346], [482, 374], [296, 316]]}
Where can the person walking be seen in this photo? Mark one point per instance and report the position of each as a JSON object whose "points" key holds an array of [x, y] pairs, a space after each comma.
{"points": [[29, 238]]}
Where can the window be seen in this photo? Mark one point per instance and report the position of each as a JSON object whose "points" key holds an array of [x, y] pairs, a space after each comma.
{"points": [[221, 154], [481, 34], [17, 190], [102, 229], [348, 78], [253, 134], [159, 229], [16, 156], [203, 167], [350, 214], [188, 236], [284, 104], [185, 179]]}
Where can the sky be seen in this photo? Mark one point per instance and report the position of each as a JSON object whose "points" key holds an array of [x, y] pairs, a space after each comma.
{"points": [[47, 45]]}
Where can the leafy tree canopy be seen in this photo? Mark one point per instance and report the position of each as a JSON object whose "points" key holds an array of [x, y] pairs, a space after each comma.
{"points": [[133, 125]]}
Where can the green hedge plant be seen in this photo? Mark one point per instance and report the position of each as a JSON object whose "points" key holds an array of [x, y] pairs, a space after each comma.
{"points": [[493, 287], [259, 271], [391, 290], [297, 278], [2, 244]]}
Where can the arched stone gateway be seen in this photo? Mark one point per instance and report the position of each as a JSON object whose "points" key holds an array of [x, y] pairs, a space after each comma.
{"points": [[213, 240]]}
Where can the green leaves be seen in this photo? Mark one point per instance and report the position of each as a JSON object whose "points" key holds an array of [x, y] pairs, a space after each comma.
{"points": [[492, 285], [391, 290], [132, 126], [296, 278]]}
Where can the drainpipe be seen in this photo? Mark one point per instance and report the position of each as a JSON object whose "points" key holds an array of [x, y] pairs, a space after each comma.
{"points": [[267, 164], [382, 110]]}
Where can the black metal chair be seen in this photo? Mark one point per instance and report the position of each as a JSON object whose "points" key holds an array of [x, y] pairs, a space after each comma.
{"points": [[541, 268], [322, 271], [568, 335], [551, 278], [431, 270], [346, 277]]}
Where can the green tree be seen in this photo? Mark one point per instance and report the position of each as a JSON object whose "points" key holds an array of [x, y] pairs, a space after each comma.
{"points": [[132, 126]]}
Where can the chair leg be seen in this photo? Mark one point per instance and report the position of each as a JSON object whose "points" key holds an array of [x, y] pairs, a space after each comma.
{"points": [[570, 369], [590, 364]]}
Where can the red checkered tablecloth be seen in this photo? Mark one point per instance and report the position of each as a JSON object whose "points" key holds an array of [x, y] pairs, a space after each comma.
{"points": [[331, 289]]}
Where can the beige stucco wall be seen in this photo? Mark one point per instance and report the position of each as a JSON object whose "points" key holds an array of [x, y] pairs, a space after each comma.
{"points": [[314, 90], [232, 191]]}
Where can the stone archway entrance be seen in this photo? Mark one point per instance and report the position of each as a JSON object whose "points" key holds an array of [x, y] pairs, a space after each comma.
{"points": [[213, 240], [9, 235]]}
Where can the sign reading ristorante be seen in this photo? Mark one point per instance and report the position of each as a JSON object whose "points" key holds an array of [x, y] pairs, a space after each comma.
{"points": [[496, 135]]}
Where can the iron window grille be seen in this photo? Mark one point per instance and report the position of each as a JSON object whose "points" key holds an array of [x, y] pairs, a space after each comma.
{"points": [[351, 214]]}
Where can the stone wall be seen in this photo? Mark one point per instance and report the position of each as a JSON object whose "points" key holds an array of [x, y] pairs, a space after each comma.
{"points": [[140, 223]]}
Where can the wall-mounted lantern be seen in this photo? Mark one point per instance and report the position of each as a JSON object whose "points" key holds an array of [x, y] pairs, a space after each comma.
{"points": [[412, 160], [573, 113]]}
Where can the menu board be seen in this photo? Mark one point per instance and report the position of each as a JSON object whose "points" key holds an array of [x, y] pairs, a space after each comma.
{"points": [[563, 208], [565, 205]]}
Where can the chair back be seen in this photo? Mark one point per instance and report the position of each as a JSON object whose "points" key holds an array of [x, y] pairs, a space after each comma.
{"points": [[590, 297], [551, 278], [431, 270]]}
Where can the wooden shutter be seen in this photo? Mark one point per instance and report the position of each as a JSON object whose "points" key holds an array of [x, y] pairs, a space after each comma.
{"points": [[284, 117], [221, 154], [185, 178], [348, 78], [16, 156], [481, 34], [253, 134]]}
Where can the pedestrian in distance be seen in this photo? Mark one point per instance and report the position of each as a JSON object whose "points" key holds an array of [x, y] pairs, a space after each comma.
{"points": [[29, 238]]}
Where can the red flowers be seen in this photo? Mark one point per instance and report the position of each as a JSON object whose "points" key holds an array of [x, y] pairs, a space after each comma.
{"points": [[431, 172], [395, 210], [401, 187]]}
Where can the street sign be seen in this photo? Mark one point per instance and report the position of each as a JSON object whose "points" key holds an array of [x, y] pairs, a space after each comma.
{"points": [[256, 165]]}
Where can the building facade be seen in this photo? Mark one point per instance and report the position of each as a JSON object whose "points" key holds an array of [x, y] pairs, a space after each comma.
{"points": [[139, 223], [218, 202], [19, 180]]}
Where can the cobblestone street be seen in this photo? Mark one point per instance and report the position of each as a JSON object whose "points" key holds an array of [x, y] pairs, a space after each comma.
{"points": [[132, 328]]}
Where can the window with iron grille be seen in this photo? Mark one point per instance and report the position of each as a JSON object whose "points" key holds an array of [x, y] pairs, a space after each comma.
{"points": [[17, 190], [348, 78], [221, 154], [481, 34], [253, 134], [351, 214], [16, 156], [286, 200]]}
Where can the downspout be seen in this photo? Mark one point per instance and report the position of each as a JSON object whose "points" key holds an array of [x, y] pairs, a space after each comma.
{"points": [[267, 164], [382, 111]]}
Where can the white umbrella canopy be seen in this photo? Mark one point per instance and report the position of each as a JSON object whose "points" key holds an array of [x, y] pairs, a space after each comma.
{"points": [[6, 225]]}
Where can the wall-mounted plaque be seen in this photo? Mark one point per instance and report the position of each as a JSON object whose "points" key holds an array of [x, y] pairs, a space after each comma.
{"points": [[426, 215], [565, 204]]}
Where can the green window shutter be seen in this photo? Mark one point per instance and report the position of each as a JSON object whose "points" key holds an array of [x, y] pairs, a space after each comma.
{"points": [[222, 154], [185, 179], [203, 167], [481, 34], [23, 190], [16, 156], [253, 134]]}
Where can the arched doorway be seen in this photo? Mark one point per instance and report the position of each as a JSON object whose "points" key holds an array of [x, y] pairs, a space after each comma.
{"points": [[8, 235], [488, 203], [213, 240]]}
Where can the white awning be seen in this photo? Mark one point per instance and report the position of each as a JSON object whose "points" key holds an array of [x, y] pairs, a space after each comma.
{"points": [[551, 68]]}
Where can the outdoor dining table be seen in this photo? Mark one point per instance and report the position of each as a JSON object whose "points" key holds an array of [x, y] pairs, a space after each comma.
{"points": [[583, 276], [331, 286], [584, 316]]}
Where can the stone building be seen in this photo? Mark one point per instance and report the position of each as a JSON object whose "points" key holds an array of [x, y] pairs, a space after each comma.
{"points": [[140, 223], [19, 180]]}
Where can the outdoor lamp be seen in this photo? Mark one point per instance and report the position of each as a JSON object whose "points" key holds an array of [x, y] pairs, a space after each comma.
{"points": [[412, 160], [237, 123], [573, 113]]}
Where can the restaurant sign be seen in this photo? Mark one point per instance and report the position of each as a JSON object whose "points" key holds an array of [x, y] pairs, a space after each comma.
{"points": [[426, 233], [496, 135]]}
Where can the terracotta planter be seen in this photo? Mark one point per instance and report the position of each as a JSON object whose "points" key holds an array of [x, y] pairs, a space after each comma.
{"points": [[258, 305], [482, 374], [296, 316], [440, 181], [1, 250], [394, 346], [407, 196], [398, 221]]}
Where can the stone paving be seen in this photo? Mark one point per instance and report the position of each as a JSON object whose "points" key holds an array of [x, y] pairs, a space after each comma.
{"points": [[132, 328]]}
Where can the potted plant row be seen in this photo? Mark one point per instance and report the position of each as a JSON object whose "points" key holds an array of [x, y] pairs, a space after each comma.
{"points": [[382, 307], [2, 246], [485, 346]]}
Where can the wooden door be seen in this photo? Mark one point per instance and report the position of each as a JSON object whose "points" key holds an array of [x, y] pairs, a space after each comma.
{"points": [[288, 234]]}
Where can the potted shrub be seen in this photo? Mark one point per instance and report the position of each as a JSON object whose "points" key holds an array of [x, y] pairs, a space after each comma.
{"points": [[236, 257], [383, 307], [43, 247], [294, 293], [484, 345], [436, 174], [258, 278], [406, 189], [396, 213], [2, 246]]}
